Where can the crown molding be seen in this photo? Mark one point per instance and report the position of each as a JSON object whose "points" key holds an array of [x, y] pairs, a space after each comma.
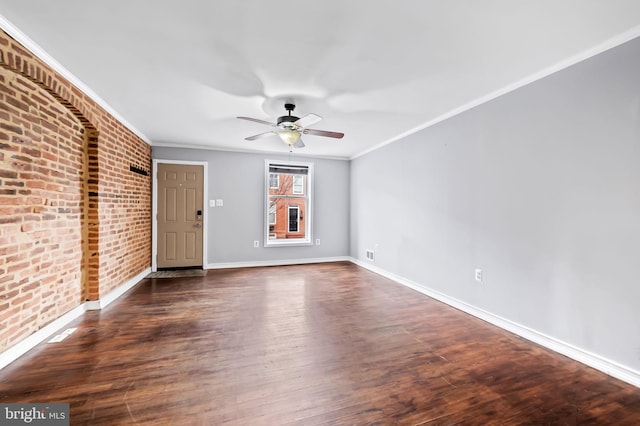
{"points": [[38, 51], [572, 60]]}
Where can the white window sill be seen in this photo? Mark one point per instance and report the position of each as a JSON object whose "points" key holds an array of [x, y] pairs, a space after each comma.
{"points": [[292, 242]]}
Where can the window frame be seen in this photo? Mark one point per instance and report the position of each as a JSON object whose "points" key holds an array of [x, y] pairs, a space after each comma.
{"points": [[304, 200]]}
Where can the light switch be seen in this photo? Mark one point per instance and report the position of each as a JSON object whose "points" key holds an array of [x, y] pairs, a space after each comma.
{"points": [[212, 203], [219, 203]]}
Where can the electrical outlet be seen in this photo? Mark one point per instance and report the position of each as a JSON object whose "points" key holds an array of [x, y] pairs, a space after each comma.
{"points": [[479, 275], [370, 255], [256, 243]]}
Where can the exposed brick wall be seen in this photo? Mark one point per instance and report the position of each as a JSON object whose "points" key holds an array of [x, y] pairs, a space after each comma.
{"points": [[75, 222], [41, 207], [124, 212]]}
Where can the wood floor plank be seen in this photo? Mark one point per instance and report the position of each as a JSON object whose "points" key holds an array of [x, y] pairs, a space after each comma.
{"points": [[305, 345]]}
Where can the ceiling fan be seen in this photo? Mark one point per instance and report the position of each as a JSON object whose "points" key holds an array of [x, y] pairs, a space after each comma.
{"points": [[290, 128]]}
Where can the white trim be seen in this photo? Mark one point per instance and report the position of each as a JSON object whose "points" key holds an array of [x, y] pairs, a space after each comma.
{"points": [[30, 342], [38, 51], [299, 154], [608, 367], [286, 262], [95, 305], [572, 60], [25, 345], [154, 207]]}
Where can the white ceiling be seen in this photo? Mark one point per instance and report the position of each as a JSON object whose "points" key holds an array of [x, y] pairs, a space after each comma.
{"points": [[179, 72]]}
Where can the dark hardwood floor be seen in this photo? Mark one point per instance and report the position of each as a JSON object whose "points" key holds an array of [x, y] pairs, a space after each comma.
{"points": [[310, 344]]}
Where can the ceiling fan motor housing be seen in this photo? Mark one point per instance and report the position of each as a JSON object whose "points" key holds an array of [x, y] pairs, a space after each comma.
{"points": [[286, 119]]}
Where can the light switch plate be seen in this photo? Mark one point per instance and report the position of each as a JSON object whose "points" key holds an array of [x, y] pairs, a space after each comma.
{"points": [[219, 203]]}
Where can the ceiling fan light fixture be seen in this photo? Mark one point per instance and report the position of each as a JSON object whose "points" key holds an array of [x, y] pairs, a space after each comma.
{"points": [[289, 128], [290, 137]]}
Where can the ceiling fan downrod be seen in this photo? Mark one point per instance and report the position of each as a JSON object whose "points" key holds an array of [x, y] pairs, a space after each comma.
{"points": [[288, 118], [289, 107]]}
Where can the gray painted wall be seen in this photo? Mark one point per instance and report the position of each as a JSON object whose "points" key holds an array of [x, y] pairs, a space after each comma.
{"points": [[238, 179], [540, 188]]}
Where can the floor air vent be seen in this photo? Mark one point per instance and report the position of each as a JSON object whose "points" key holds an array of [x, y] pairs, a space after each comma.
{"points": [[60, 337]]}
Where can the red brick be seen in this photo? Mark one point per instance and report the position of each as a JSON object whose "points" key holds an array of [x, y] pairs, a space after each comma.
{"points": [[42, 122]]}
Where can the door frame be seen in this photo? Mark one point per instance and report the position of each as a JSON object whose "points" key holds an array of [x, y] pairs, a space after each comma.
{"points": [[154, 208]]}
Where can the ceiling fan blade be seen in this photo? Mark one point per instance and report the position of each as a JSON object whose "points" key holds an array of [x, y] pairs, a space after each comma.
{"points": [[259, 136], [256, 120], [299, 144], [308, 120], [326, 133]]}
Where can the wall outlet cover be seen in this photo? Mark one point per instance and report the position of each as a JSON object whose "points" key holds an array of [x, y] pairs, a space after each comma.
{"points": [[370, 255]]}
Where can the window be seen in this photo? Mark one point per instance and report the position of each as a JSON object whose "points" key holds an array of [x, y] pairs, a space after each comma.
{"points": [[274, 182], [297, 184], [288, 205], [272, 214]]}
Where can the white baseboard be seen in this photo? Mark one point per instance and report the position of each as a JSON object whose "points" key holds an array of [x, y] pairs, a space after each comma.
{"points": [[258, 263], [103, 302], [25, 345], [608, 367]]}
